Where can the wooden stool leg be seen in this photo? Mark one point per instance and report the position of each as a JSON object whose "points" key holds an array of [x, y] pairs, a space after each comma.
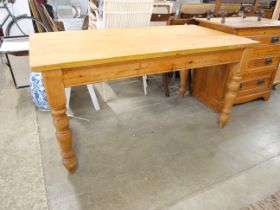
{"points": [[236, 71], [56, 98], [190, 81], [165, 81], [184, 78]]}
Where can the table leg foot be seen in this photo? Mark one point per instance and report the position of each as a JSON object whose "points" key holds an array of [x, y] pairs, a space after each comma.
{"points": [[233, 87], [70, 164], [64, 138], [223, 120]]}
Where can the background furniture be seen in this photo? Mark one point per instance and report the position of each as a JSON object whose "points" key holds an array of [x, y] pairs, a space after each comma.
{"points": [[266, 5], [200, 10], [20, 70], [276, 12], [162, 11], [15, 49], [275, 16], [165, 76], [209, 85], [42, 14], [123, 14]]}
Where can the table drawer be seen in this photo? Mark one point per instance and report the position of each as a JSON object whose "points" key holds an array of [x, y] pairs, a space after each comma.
{"points": [[257, 84], [270, 39], [266, 50], [261, 62]]}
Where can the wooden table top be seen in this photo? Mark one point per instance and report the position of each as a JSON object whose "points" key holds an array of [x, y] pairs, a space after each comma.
{"points": [[240, 22], [58, 50]]}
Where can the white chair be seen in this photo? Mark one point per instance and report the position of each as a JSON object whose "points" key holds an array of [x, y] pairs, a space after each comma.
{"points": [[122, 14], [91, 93]]}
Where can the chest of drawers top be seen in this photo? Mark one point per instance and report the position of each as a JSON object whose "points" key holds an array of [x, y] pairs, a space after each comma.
{"points": [[243, 26]]}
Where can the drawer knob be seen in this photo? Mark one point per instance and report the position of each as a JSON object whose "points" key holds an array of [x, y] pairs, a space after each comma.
{"points": [[260, 81], [268, 61], [275, 39]]}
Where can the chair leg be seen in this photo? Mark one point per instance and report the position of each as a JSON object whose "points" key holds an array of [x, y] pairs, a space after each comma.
{"points": [[93, 97], [145, 84], [190, 81], [165, 81], [68, 95], [183, 78]]}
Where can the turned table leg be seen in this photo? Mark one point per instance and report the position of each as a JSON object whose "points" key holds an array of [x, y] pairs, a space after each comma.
{"points": [[235, 77], [183, 79], [53, 81]]}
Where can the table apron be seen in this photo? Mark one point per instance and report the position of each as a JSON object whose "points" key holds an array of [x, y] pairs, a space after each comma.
{"points": [[114, 71]]}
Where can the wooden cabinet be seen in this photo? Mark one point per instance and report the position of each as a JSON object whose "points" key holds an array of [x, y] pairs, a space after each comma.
{"points": [[209, 84]]}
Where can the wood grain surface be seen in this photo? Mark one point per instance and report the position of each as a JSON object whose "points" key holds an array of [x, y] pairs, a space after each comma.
{"points": [[58, 50]]}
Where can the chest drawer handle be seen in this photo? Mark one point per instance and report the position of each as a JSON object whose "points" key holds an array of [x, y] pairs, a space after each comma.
{"points": [[260, 81], [268, 61], [275, 39]]}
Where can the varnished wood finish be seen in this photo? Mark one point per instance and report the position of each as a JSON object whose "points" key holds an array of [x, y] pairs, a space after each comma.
{"points": [[235, 71], [184, 78], [174, 21], [277, 77], [263, 61], [102, 56], [218, 4], [266, 50], [209, 85], [161, 17], [237, 23], [268, 39], [152, 42], [53, 81], [123, 70]]}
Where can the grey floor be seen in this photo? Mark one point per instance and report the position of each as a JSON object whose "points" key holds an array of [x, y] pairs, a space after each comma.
{"points": [[138, 152]]}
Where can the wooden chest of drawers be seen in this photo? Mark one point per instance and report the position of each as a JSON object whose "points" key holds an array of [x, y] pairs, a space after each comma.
{"points": [[209, 85]]}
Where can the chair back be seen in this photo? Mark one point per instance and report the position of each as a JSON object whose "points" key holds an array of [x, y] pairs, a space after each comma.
{"points": [[40, 13], [162, 11], [126, 13]]}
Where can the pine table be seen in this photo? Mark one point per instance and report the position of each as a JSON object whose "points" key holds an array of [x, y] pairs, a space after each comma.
{"points": [[82, 57]]}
